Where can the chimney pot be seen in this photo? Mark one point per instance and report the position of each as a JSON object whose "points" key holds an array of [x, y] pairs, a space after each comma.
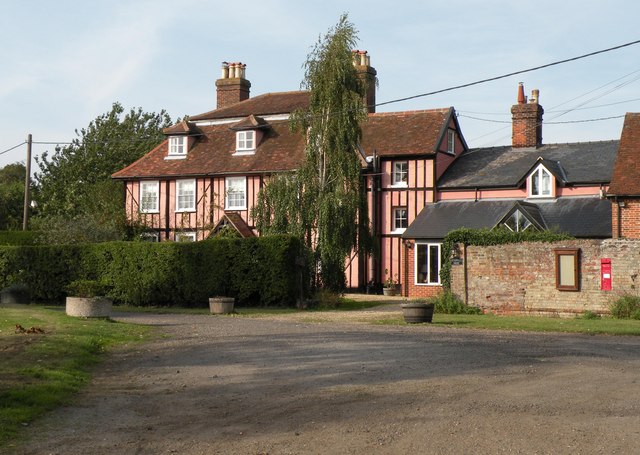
{"points": [[521, 98], [535, 96], [232, 87]]}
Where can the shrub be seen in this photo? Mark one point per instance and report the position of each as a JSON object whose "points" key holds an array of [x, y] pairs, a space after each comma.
{"points": [[257, 271], [326, 299], [19, 237], [626, 307], [86, 288], [590, 315], [449, 303]]}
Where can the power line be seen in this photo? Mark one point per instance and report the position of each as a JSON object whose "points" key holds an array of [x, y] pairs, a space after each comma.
{"points": [[14, 147], [503, 76]]}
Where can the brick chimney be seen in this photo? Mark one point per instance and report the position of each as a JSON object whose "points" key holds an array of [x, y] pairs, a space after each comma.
{"points": [[527, 120], [362, 63], [232, 87]]}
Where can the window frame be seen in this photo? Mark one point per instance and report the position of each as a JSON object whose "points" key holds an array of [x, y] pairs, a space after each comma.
{"points": [[152, 237], [191, 235], [537, 174], [394, 173], [575, 263], [451, 141], [227, 184], [428, 246], [142, 193], [394, 220], [192, 206], [518, 214], [241, 138], [178, 149]]}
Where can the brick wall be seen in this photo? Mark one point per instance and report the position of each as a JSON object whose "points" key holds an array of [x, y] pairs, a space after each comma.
{"points": [[231, 91], [520, 278], [625, 218]]}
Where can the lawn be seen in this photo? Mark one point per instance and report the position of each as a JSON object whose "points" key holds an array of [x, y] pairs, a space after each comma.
{"points": [[40, 371]]}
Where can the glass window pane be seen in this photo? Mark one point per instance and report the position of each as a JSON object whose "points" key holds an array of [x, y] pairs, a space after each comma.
{"points": [[546, 182], [434, 263]]}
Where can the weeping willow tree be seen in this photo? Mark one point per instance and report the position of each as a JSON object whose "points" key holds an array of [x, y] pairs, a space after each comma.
{"points": [[322, 201]]}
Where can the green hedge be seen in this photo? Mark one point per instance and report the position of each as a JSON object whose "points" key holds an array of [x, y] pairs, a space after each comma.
{"points": [[19, 237], [257, 271], [485, 237]]}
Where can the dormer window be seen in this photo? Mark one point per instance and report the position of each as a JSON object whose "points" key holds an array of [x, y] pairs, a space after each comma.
{"points": [[540, 183], [517, 222], [178, 146], [245, 141]]}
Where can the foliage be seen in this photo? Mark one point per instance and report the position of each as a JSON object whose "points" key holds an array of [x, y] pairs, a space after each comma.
{"points": [[86, 288], [11, 195], [449, 303], [84, 228], [626, 307], [486, 237], [257, 271], [390, 282], [76, 181], [321, 201], [590, 315], [45, 370], [19, 237]]}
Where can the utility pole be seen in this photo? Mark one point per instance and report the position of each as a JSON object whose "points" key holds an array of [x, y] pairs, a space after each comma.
{"points": [[27, 186]]}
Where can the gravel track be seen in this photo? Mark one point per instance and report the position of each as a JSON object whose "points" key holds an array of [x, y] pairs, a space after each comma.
{"points": [[231, 385]]}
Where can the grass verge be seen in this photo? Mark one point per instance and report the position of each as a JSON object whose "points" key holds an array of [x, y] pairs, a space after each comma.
{"points": [[608, 326], [42, 371]]}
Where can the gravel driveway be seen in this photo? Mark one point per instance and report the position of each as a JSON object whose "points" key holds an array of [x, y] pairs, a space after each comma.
{"points": [[230, 385]]}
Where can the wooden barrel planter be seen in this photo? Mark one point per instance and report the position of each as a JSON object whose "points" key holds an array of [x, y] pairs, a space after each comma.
{"points": [[221, 305], [417, 312], [89, 307]]}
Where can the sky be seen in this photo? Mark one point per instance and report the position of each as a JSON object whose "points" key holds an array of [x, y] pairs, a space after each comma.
{"points": [[65, 62]]}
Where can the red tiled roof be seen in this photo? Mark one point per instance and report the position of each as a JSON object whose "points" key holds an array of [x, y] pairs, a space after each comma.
{"points": [[213, 153], [237, 222], [267, 104], [404, 133], [389, 134], [181, 128], [626, 171]]}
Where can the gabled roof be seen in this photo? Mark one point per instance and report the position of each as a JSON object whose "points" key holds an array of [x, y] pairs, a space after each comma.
{"points": [[405, 133], [389, 134], [529, 210], [182, 128], [250, 123], [504, 167], [550, 165], [262, 105], [234, 220], [587, 217], [626, 172]]}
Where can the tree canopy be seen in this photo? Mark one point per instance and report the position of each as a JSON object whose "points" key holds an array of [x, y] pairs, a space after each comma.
{"points": [[321, 201], [75, 181], [11, 196]]}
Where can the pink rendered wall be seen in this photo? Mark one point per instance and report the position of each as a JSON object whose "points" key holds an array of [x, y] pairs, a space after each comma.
{"points": [[210, 202]]}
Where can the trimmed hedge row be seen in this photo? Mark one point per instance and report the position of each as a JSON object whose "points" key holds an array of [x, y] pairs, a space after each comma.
{"points": [[19, 237], [260, 271]]}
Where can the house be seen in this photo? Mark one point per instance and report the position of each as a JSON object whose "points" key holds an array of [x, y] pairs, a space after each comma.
{"points": [[527, 185], [624, 191], [209, 170]]}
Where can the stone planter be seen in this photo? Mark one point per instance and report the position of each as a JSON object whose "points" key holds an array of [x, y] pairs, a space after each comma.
{"points": [[389, 291], [89, 307], [416, 312], [221, 305]]}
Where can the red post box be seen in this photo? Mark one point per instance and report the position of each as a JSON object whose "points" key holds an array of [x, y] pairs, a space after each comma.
{"points": [[605, 274]]}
